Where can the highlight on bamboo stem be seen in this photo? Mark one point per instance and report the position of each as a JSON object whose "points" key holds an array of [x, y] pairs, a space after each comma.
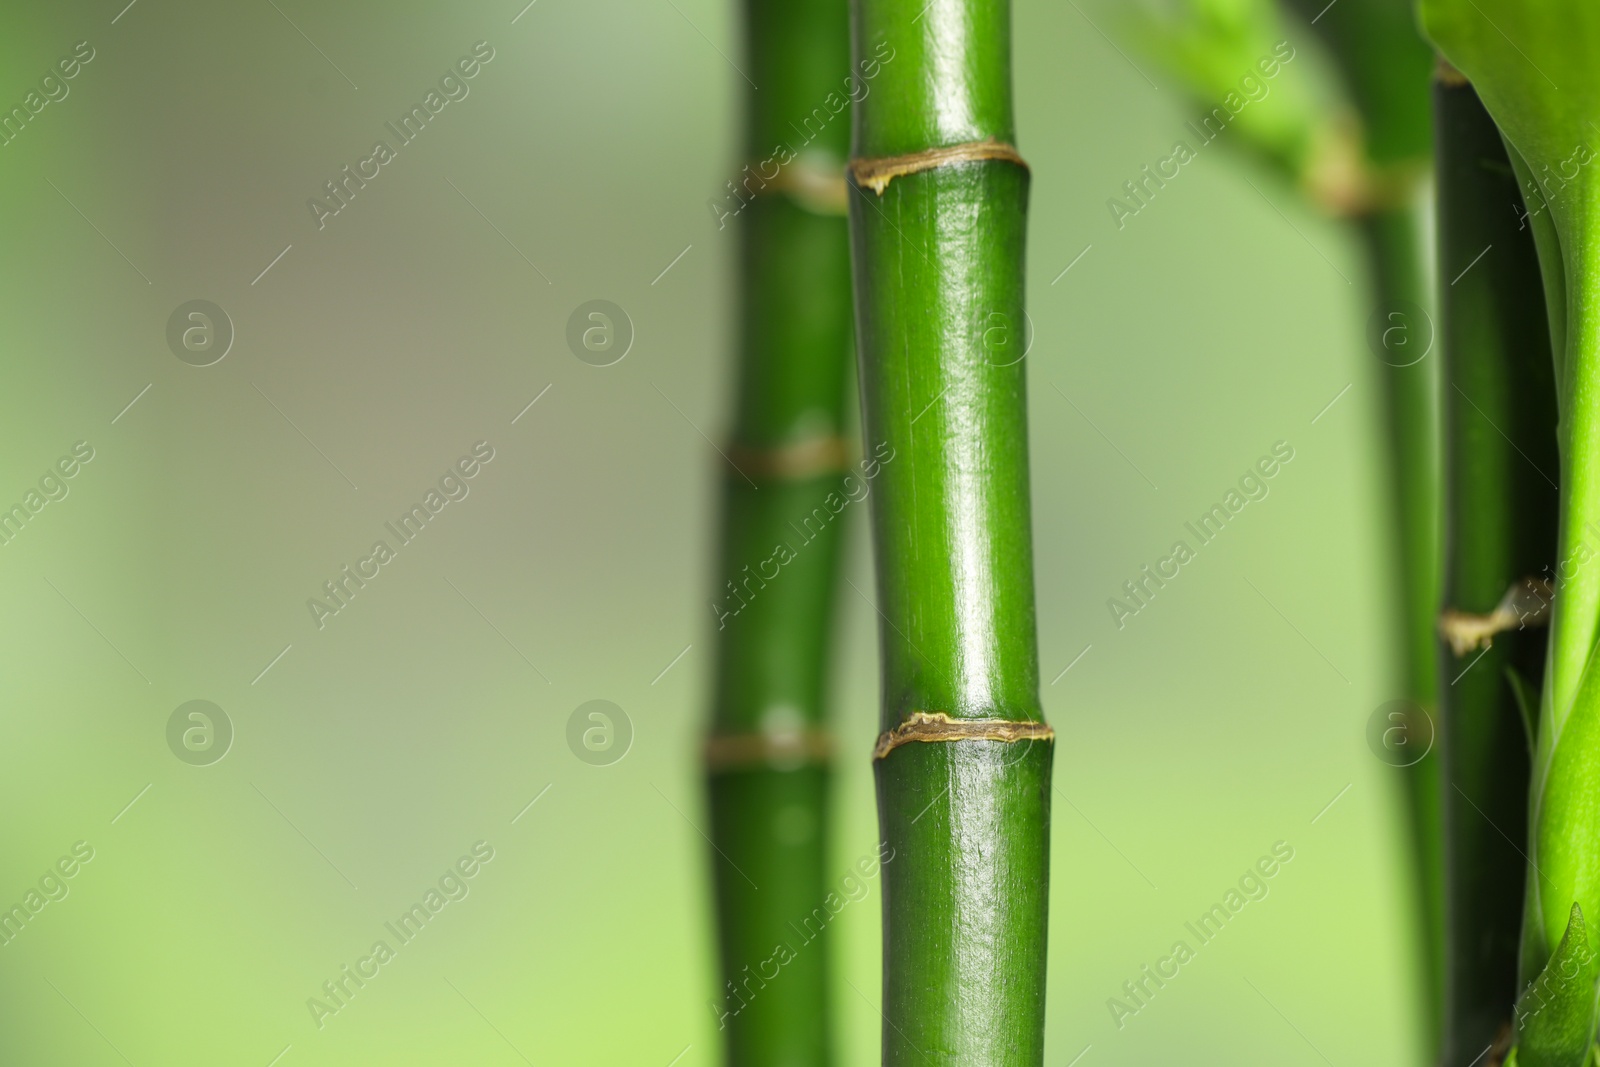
{"points": [[787, 482], [937, 221]]}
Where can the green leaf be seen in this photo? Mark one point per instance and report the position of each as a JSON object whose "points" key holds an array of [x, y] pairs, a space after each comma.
{"points": [[1556, 1014], [1592, 1061], [1233, 59], [1532, 62]]}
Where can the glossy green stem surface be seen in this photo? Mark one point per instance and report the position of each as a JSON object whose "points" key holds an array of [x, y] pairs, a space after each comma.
{"points": [[938, 259], [779, 559], [1500, 528]]}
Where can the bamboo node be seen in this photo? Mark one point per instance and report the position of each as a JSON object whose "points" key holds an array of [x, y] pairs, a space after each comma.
{"points": [[1503, 1040], [876, 174], [1445, 74], [1340, 179], [937, 726], [1526, 603], [815, 185], [809, 457], [782, 750]]}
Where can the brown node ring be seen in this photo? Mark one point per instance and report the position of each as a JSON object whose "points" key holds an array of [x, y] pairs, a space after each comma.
{"points": [[757, 750], [796, 461], [876, 174], [1445, 74], [816, 188], [937, 726]]}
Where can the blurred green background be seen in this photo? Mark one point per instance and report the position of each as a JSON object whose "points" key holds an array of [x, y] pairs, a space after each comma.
{"points": [[372, 753]]}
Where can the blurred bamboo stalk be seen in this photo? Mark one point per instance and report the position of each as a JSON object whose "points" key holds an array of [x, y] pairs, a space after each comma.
{"points": [[1366, 167], [1386, 69], [767, 755], [1400, 275]]}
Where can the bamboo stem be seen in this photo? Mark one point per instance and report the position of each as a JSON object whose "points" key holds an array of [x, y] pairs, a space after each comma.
{"points": [[1410, 411], [1500, 513], [1386, 68], [1548, 127], [938, 256], [767, 758], [1368, 174]]}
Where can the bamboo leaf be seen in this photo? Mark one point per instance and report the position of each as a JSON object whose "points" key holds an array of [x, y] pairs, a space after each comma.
{"points": [[1233, 60], [1556, 1014], [1592, 1061]]}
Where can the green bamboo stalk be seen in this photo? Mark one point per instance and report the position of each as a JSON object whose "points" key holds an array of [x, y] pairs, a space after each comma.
{"points": [[768, 751], [1409, 403], [1386, 68], [1500, 518], [1532, 63], [937, 219], [1366, 169]]}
